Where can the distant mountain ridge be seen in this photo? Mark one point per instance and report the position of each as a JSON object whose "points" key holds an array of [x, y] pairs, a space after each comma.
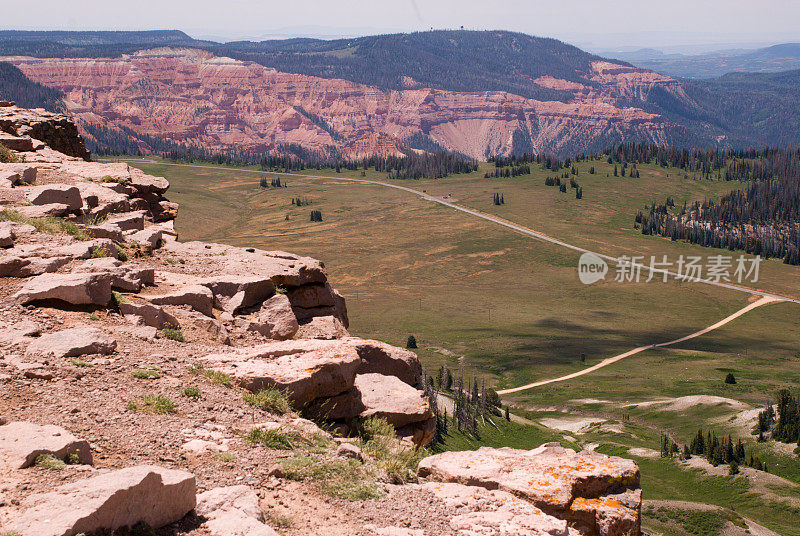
{"points": [[776, 58], [477, 93]]}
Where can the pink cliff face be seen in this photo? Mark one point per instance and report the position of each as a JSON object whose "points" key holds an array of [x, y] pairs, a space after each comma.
{"points": [[193, 96]]}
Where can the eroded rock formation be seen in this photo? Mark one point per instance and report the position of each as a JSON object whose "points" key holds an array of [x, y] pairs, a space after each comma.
{"points": [[217, 102]]}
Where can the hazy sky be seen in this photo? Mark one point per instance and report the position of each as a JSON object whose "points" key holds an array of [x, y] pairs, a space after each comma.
{"points": [[593, 23]]}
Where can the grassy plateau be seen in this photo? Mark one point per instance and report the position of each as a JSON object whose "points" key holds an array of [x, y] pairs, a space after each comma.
{"points": [[509, 308]]}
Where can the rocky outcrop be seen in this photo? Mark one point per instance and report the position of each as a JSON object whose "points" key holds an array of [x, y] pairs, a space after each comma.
{"points": [[73, 342], [305, 369], [229, 308], [220, 102], [147, 494], [56, 131], [21, 443], [597, 494]]}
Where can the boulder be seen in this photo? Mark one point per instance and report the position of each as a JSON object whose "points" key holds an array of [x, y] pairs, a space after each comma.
{"points": [[379, 357], [125, 277], [322, 327], [305, 369], [18, 332], [198, 297], [588, 489], [131, 221], [380, 396], [50, 210], [144, 493], [232, 511], [64, 194], [348, 450], [111, 231], [72, 342], [77, 289], [310, 296], [232, 293], [7, 235], [482, 511], [17, 174], [147, 314], [150, 237], [275, 319], [16, 143], [147, 183], [22, 442]]}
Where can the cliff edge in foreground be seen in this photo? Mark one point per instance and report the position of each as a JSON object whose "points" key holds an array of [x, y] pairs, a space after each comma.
{"points": [[148, 380]]}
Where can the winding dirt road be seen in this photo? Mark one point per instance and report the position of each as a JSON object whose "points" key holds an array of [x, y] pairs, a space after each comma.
{"points": [[766, 297], [620, 357]]}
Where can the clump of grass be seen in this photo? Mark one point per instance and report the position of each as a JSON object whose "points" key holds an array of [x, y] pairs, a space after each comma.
{"points": [[225, 457], [343, 479], [47, 225], [94, 316], [48, 461], [109, 178], [139, 529], [280, 520], [6, 156], [274, 438], [158, 404], [172, 333], [118, 298], [122, 253], [398, 461], [191, 392], [101, 252], [150, 373], [272, 400], [80, 363], [214, 376], [280, 289]]}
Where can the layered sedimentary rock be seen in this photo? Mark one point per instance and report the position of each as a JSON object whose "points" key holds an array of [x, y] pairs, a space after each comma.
{"points": [[191, 95]]}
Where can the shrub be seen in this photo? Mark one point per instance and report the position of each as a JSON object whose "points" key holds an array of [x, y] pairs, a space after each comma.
{"points": [[190, 392], [214, 376], [80, 363], [172, 333], [6, 156], [150, 373], [411, 342], [280, 289], [158, 404], [272, 400], [273, 438], [48, 461], [94, 316], [282, 521], [109, 178], [397, 460], [46, 225], [730, 379], [343, 479], [118, 298]]}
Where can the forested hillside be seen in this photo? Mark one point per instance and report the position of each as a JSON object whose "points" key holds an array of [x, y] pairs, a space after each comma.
{"points": [[16, 87], [762, 218]]}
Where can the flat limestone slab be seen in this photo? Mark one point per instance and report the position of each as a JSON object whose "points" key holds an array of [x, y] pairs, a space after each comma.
{"points": [[599, 494], [147, 493], [22, 442]]}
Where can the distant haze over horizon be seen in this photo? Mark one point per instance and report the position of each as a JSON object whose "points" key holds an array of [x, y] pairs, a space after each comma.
{"points": [[685, 26]]}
